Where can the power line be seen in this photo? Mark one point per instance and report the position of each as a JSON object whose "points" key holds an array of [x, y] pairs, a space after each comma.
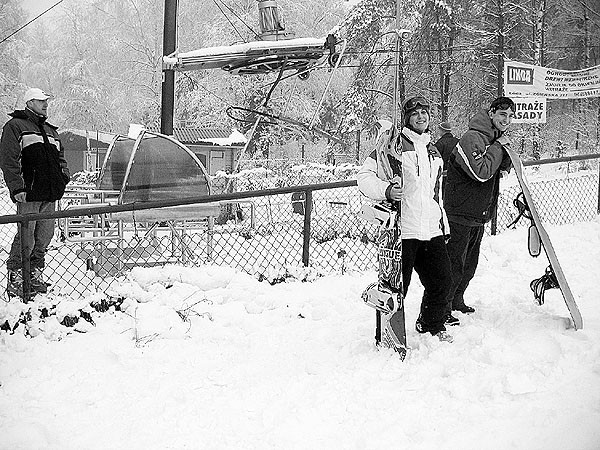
{"points": [[32, 20], [230, 22], [409, 64], [237, 17], [588, 8], [460, 49]]}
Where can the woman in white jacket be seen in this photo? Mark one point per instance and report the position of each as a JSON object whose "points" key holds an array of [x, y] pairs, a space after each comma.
{"points": [[407, 168]]}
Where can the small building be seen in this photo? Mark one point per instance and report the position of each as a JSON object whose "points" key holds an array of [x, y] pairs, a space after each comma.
{"points": [[85, 150]]}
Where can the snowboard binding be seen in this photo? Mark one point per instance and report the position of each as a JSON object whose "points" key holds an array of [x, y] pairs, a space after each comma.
{"points": [[541, 284], [376, 214], [381, 299]]}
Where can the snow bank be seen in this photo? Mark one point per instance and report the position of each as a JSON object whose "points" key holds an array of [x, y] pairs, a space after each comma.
{"points": [[212, 358]]}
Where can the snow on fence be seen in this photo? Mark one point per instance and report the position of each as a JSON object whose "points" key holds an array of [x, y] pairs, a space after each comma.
{"points": [[272, 234]]}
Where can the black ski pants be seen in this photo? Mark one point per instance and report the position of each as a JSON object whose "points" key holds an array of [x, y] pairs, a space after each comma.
{"points": [[463, 248], [431, 262]]}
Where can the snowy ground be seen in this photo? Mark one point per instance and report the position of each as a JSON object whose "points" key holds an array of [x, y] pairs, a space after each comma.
{"points": [[293, 365]]}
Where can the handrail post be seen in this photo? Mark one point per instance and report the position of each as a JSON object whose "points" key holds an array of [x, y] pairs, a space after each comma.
{"points": [[306, 230], [599, 188], [25, 261], [210, 239]]}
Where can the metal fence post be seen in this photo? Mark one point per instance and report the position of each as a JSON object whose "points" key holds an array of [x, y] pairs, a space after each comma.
{"points": [[306, 230], [210, 244], [25, 261], [599, 188], [494, 229]]}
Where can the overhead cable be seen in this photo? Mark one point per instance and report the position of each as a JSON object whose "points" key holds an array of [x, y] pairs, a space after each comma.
{"points": [[32, 20]]}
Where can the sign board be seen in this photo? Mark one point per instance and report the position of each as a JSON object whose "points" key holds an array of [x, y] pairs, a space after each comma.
{"points": [[526, 80], [530, 110]]}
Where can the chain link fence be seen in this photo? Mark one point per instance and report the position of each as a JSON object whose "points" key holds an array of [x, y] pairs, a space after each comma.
{"points": [[565, 190], [271, 233]]}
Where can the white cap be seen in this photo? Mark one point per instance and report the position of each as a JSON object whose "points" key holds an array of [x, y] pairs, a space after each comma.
{"points": [[35, 94]]}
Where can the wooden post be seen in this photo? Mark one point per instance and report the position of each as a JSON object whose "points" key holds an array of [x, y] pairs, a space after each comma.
{"points": [[168, 82]]}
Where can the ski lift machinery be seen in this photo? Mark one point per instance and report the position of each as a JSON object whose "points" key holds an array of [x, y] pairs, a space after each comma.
{"points": [[275, 51]]}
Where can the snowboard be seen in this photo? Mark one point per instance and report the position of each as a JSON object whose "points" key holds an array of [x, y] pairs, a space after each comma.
{"points": [[386, 295], [554, 276]]}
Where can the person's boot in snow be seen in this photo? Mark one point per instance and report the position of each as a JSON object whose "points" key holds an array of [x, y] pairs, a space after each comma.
{"points": [[15, 283], [465, 309], [444, 336], [38, 284], [451, 320]]}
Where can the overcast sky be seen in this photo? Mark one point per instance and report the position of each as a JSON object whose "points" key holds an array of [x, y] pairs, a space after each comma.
{"points": [[35, 7]]}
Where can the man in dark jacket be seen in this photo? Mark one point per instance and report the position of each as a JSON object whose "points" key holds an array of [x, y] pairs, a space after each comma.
{"points": [[36, 174], [471, 195], [446, 143]]}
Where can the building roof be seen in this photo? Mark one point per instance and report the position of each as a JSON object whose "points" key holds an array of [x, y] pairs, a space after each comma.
{"points": [[95, 136], [201, 135]]}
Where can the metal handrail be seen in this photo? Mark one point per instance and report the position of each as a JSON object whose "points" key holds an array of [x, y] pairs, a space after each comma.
{"points": [[138, 206], [540, 162]]}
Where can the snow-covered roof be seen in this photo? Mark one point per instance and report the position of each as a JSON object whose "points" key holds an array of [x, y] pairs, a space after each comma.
{"points": [[209, 135], [91, 134]]}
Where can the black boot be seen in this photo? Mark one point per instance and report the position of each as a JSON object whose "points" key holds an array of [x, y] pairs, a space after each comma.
{"points": [[451, 320], [465, 309]]}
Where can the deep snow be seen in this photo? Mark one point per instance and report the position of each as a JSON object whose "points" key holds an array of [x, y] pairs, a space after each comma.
{"points": [[293, 365]]}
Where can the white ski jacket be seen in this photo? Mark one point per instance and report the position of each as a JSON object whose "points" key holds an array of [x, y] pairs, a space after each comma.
{"points": [[423, 215]]}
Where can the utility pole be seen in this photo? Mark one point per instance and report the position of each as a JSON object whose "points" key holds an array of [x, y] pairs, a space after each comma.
{"points": [[500, 67], [396, 68], [168, 75], [538, 8], [499, 82], [398, 95]]}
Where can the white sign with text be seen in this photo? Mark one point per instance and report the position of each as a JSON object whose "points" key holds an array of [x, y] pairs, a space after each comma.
{"points": [[527, 80], [530, 110]]}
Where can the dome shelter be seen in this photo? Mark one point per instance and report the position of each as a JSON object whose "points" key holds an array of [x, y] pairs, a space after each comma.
{"points": [[152, 167], [144, 167]]}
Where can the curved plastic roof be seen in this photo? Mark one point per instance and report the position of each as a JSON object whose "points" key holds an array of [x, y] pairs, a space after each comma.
{"points": [[152, 167]]}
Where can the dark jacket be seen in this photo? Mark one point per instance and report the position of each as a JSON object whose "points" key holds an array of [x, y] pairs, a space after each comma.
{"points": [[445, 145], [32, 158], [473, 177]]}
